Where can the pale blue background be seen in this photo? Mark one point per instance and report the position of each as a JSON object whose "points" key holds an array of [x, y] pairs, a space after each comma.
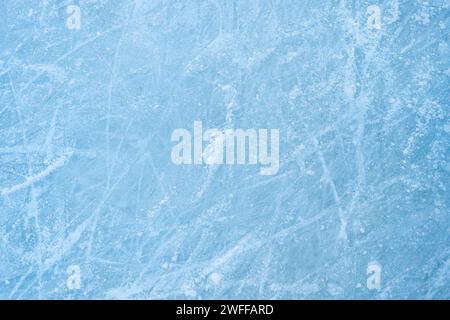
{"points": [[85, 123]]}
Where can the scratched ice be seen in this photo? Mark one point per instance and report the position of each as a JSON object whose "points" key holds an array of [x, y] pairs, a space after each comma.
{"points": [[91, 205]]}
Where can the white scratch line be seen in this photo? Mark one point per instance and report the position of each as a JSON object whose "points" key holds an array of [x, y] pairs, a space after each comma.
{"points": [[33, 179]]}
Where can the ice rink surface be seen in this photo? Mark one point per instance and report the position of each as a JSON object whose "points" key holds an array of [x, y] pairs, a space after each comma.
{"points": [[91, 205]]}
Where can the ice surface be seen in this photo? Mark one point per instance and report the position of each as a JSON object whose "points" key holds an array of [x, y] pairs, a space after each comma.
{"points": [[88, 189]]}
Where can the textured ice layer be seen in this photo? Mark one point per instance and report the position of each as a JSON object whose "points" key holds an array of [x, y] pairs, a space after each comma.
{"points": [[91, 205]]}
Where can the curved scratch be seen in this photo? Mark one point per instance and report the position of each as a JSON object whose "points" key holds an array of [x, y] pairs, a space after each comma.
{"points": [[41, 175]]}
